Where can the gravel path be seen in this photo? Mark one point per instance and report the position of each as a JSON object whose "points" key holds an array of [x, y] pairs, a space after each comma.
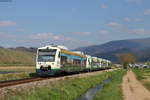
{"points": [[133, 89]]}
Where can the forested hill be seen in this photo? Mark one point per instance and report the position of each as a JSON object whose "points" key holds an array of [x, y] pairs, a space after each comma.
{"points": [[111, 50]]}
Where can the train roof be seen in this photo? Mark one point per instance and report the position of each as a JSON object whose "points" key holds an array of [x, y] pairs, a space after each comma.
{"points": [[63, 50], [54, 46]]}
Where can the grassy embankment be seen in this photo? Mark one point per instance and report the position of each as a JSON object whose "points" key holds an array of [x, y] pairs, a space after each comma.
{"points": [[144, 76], [72, 88]]}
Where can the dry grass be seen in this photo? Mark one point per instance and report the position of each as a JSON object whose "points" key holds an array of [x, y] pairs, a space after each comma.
{"points": [[16, 57]]}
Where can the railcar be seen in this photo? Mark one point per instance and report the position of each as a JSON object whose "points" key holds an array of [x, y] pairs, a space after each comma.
{"points": [[52, 60]]}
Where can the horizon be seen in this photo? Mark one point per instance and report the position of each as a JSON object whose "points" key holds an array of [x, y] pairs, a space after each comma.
{"points": [[72, 23]]}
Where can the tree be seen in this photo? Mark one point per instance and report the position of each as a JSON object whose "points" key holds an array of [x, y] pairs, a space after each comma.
{"points": [[126, 59]]}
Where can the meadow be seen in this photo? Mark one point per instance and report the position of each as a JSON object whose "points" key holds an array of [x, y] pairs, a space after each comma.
{"points": [[143, 75]]}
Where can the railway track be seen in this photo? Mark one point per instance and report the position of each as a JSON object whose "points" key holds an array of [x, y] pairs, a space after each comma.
{"points": [[20, 81]]}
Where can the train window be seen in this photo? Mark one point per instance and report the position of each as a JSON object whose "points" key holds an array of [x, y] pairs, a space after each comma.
{"points": [[77, 62], [59, 55], [63, 60], [45, 55]]}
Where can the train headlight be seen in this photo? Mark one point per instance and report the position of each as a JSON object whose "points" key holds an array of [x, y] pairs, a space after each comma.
{"points": [[49, 67], [41, 67]]}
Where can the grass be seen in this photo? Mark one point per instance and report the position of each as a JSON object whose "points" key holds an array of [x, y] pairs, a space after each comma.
{"points": [[18, 68], [14, 76], [21, 72], [144, 76], [112, 90], [69, 89], [16, 57]]}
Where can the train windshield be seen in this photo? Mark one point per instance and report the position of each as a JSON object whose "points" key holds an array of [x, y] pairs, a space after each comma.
{"points": [[46, 55]]}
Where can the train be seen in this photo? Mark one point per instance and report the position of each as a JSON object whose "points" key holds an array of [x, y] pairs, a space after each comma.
{"points": [[56, 59]]}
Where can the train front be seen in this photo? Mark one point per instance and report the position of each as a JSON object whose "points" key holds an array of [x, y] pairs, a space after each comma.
{"points": [[47, 62]]}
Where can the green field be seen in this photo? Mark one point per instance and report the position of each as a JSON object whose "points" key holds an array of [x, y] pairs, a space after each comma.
{"points": [[9, 57], [72, 88], [144, 76]]}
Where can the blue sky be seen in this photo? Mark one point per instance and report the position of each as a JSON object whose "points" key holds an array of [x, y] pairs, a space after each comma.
{"points": [[73, 23]]}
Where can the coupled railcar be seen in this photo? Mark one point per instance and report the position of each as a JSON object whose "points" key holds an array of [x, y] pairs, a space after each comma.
{"points": [[51, 60]]}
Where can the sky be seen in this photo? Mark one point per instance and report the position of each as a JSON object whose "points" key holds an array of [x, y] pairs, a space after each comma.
{"points": [[73, 23]]}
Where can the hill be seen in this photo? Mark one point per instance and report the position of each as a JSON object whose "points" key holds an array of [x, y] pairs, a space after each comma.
{"points": [[111, 50]]}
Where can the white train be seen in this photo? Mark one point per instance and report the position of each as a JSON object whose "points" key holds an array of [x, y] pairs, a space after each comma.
{"points": [[52, 60]]}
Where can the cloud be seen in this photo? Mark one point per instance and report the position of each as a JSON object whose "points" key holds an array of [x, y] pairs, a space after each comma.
{"points": [[45, 36], [39, 39], [138, 19], [104, 6], [138, 31], [147, 12], [48, 38], [6, 35], [127, 19], [7, 23], [20, 30], [114, 24], [83, 33], [135, 1], [103, 32], [124, 29]]}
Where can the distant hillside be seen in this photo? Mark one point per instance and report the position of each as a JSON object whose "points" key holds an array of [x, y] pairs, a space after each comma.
{"points": [[31, 49], [16, 57], [111, 50]]}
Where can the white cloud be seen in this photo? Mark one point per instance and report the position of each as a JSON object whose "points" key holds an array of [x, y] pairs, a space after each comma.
{"points": [[7, 23], [127, 19], [114, 24], [136, 1], [147, 12], [39, 39], [20, 30], [124, 29], [138, 31], [83, 33], [103, 32], [104, 6], [4, 35], [138, 19], [45, 36]]}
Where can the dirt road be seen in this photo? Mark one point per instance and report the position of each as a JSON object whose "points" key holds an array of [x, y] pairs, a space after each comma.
{"points": [[133, 89]]}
